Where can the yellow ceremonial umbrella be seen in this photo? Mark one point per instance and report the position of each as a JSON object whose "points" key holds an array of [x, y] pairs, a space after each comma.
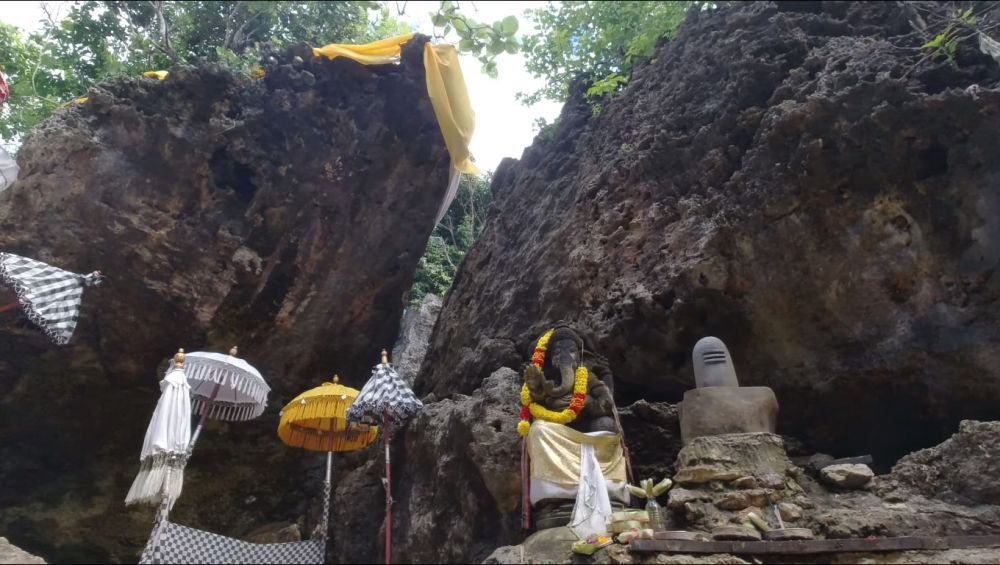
{"points": [[317, 420]]}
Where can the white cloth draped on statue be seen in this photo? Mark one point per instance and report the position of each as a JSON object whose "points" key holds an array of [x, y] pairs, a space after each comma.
{"points": [[166, 443], [556, 461], [593, 507]]}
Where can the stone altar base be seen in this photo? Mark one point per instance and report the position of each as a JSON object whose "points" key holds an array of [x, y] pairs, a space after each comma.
{"points": [[722, 478], [556, 513], [718, 410]]}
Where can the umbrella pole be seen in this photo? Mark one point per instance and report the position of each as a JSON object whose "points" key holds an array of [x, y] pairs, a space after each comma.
{"points": [[326, 501], [387, 437], [204, 417]]}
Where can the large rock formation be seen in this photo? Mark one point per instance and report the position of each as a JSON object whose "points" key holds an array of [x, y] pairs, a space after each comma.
{"points": [[796, 178], [285, 215]]}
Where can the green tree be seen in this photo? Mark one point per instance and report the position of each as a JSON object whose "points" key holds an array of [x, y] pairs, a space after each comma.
{"points": [[599, 41], [453, 237], [98, 39], [483, 41]]}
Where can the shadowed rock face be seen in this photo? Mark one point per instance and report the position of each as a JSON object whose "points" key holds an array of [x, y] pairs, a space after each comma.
{"points": [[786, 179], [285, 215]]}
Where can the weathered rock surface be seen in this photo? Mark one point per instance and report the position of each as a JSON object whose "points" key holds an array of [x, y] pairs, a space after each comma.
{"points": [[965, 469], [458, 487], [12, 554], [899, 511], [721, 478], [784, 176], [414, 335], [847, 476], [282, 216]]}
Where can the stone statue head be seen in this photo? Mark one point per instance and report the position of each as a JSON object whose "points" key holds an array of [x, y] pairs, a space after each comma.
{"points": [[713, 366], [563, 357]]}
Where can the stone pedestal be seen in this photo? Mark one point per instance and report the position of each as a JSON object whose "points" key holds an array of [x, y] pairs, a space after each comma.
{"points": [[720, 478], [718, 410]]}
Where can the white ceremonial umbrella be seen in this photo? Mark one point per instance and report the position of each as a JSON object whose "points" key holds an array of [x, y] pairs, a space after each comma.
{"points": [[224, 387], [165, 448], [8, 170]]}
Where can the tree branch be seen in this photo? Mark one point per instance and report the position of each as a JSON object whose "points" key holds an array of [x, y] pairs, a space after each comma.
{"points": [[166, 47]]}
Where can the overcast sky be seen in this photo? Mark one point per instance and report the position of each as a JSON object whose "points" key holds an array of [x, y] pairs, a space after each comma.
{"points": [[503, 125]]}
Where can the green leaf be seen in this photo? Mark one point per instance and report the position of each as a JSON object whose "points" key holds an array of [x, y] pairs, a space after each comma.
{"points": [[461, 27], [509, 25], [511, 46], [495, 47], [466, 45], [936, 42], [439, 19]]}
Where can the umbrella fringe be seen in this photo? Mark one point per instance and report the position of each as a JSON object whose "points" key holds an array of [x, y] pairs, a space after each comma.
{"points": [[213, 372], [149, 483]]}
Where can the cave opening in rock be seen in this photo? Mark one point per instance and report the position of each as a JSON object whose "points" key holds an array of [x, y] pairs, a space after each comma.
{"points": [[231, 174]]}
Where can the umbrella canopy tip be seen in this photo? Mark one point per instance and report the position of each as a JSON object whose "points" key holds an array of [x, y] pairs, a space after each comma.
{"points": [[233, 351], [336, 379], [179, 357], [385, 357]]}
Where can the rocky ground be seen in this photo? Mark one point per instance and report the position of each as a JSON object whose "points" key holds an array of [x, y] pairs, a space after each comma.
{"points": [[918, 498], [12, 555]]}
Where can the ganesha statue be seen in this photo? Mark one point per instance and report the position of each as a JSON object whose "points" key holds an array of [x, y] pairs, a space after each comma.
{"points": [[562, 389], [573, 440]]}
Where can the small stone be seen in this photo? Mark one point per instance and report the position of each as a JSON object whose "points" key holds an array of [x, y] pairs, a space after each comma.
{"points": [[848, 476], [737, 500], [818, 461], [692, 512], [745, 483], [772, 480], [789, 512], [703, 474], [735, 533], [789, 534]]}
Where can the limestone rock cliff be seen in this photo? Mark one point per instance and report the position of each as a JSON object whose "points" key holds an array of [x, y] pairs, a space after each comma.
{"points": [[285, 215]]}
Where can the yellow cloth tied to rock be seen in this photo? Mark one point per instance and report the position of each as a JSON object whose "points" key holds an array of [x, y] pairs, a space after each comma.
{"points": [[555, 453], [379, 52], [445, 87]]}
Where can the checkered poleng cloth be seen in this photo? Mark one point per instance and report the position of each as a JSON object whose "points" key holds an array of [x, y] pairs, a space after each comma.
{"points": [[49, 296], [384, 394], [183, 545]]}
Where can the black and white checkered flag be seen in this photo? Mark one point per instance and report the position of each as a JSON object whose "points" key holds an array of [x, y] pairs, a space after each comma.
{"points": [[384, 393], [49, 296]]}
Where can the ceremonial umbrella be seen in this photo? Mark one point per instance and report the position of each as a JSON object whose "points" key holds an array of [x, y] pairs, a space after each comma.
{"points": [[165, 447], [317, 420], [50, 297], [386, 398], [8, 170], [224, 387]]}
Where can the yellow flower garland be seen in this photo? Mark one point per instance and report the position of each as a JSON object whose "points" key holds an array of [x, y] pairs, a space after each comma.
{"points": [[540, 412]]}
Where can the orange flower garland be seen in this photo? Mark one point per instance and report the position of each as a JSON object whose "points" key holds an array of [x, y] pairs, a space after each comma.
{"points": [[531, 409]]}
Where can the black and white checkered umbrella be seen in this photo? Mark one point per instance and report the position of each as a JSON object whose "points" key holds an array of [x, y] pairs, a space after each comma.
{"points": [[384, 395], [385, 399], [50, 297]]}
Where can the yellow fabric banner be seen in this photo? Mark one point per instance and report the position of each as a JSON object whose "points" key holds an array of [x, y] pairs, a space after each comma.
{"points": [[376, 53], [445, 87], [554, 450], [450, 98]]}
